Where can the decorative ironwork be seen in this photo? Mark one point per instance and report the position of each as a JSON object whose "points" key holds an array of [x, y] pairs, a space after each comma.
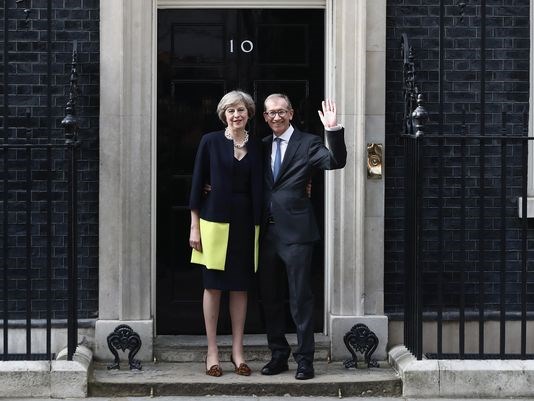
{"points": [[360, 339], [71, 126], [419, 116], [415, 115], [452, 154], [461, 7], [124, 338], [19, 168], [70, 122], [27, 11]]}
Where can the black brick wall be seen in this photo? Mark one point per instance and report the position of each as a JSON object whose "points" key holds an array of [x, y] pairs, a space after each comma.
{"points": [[507, 91], [28, 93]]}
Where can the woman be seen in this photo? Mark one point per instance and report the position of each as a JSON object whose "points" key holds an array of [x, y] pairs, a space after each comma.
{"points": [[225, 222]]}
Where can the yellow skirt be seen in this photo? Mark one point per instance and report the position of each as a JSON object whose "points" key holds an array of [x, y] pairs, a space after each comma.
{"points": [[214, 239]]}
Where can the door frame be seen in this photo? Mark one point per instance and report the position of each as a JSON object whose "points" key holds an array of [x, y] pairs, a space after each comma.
{"points": [[234, 4], [354, 207]]}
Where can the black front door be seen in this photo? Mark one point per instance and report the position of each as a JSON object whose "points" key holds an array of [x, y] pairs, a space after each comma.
{"points": [[202, 54]]}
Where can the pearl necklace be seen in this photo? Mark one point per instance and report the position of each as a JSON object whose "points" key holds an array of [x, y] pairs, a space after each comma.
{"points": [[241, 145]]}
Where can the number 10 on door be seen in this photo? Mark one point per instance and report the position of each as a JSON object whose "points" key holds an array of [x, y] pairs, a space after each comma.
{"points": [[246, 46]]}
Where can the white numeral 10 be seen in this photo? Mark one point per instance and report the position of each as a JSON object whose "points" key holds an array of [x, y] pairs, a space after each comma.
{"points": [[246, 46]]}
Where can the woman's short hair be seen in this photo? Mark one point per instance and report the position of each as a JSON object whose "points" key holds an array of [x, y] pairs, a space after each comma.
{"points": [[231, 99]]}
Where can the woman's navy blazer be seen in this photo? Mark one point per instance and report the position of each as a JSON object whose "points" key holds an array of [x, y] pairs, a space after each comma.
{"points": [[213, 165]]}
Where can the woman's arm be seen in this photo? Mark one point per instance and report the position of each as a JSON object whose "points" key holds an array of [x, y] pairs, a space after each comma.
{"points": [[198, 179], [201, 175], [194, 234]]}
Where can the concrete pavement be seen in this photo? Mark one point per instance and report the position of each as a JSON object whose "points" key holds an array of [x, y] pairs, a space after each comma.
{"points": [[261, 398]]}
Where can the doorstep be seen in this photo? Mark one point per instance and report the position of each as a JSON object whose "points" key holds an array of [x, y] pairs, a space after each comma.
{"points": [[178, 369], [189, 378], [192, 348]]}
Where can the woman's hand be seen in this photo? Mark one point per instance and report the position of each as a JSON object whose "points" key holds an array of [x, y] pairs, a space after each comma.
{"points": [[194, 234], [194, 238]]}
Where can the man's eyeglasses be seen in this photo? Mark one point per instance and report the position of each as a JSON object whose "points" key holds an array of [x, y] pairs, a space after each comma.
{"points": [[273, 113]]}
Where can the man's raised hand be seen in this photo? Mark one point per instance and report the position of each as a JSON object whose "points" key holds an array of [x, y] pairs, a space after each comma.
{"points": [[328, 115]]}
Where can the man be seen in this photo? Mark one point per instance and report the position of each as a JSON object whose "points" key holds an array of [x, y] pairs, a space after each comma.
{"points": [[290, 230]]}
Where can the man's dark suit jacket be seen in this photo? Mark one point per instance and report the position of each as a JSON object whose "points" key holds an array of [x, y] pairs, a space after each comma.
{"points": [[286, 199]]}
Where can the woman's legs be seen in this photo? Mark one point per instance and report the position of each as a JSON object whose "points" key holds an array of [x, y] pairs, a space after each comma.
{"points": [[210, 305], [238, 313]]}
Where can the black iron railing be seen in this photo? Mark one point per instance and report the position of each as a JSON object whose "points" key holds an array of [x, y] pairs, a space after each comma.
{"points": [[38, 205], [71, 126], [414, 118], [467, 237], [457, 228]]}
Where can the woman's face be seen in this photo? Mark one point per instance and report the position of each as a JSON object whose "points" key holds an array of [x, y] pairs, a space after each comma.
{"points": [[236, 116]]}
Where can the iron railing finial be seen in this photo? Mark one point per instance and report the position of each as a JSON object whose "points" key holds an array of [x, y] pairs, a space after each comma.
{"points": [[419, 116], [415, 115], [70, 122]]}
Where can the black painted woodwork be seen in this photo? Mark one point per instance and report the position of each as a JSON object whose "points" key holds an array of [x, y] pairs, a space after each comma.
{"points": [[273, 51]]}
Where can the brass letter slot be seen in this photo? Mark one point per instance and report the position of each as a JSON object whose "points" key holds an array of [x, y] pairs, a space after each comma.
{"points": [[374, 161]]}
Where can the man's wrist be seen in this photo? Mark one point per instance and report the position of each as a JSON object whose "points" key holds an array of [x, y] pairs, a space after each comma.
{"points": [[334, 128]]}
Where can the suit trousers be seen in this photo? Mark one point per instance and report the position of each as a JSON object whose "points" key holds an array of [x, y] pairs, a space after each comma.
{"points": [[286, 268]]}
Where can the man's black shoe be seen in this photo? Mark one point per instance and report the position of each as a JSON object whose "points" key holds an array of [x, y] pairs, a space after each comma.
{"points": [[274, 367], [305, 370]]}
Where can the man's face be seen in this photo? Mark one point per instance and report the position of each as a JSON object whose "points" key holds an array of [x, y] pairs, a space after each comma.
{"points": [[278, 115]]}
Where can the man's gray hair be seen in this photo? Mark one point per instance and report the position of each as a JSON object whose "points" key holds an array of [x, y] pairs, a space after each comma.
{"points": [[279, 95]]}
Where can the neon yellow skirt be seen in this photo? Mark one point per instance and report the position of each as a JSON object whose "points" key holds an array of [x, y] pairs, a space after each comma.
{"points": [[214, 239]]}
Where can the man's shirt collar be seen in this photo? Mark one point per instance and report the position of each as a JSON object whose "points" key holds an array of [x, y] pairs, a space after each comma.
{"points": [[287, 134]]}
